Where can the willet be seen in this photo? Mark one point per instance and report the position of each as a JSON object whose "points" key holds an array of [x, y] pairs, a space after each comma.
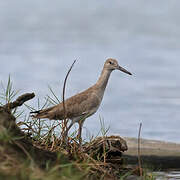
{"points": [[84, 104]]}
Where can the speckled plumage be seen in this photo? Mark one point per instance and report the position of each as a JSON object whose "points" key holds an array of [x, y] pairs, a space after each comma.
{"points": [[78, 105]]}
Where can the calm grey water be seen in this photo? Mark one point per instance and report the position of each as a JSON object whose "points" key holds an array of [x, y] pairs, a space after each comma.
{"points": [[170, 175], [40, 39]]}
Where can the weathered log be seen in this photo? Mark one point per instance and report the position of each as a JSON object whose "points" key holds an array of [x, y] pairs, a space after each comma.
{"points": [[19, 101], [108, 149]]}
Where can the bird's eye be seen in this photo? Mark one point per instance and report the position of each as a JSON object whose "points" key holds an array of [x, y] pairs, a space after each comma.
{"points": [[110, 62]]}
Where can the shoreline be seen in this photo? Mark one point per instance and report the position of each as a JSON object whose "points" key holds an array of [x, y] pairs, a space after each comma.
{"points": [[152, 147], [160, 155]]}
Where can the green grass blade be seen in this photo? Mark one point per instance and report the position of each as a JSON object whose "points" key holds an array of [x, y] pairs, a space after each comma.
{"points": [[57, 99]]}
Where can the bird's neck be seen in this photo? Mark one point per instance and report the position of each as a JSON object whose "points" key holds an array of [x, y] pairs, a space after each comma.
{"points": [[103, 79]]}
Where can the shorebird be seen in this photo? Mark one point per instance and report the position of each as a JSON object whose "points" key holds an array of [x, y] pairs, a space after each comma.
{"points": [[84, 104]]}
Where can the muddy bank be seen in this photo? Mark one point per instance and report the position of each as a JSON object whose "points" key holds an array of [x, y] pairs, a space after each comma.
{"points": [[155, 154]]}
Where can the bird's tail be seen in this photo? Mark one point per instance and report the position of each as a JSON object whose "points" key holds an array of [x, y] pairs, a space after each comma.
{"points": [[45, 113]]}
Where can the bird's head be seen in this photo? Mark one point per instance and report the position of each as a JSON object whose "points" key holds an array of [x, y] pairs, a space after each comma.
{"points": [[112, 64]]}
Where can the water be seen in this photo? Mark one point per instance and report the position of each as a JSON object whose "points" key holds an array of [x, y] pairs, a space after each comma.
{"points": [[40, 39], [171, 175]]}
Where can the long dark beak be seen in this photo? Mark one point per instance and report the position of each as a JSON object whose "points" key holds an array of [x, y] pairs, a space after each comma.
{"points": [[124, 70]]}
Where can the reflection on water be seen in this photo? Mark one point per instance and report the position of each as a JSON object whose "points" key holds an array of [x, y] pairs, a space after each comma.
{"points": [[40, 39], [172, 175]]}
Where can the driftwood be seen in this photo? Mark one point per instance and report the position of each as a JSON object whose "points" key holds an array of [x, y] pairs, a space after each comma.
{"points": [[19, 101], [108, 149]]}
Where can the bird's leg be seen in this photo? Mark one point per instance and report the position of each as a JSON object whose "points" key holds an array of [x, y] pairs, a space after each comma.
{"points": [[80, 130], [67, 130], [79, 133]]}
